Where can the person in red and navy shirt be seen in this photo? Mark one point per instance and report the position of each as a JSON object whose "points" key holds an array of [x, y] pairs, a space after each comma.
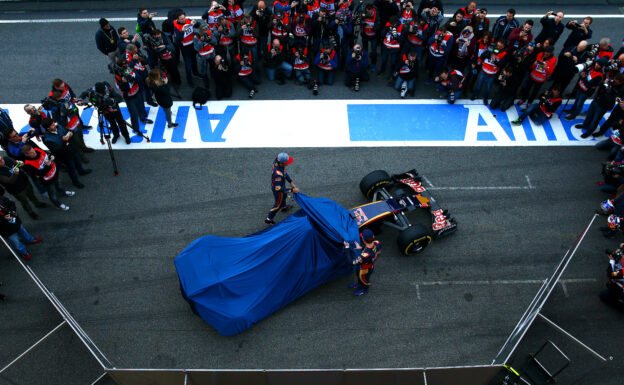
{"points": [[451, 82], [492, 62], [279, 177], [326, 62], [391, 45], [128, 85], [469, 11], [204, 43], [365, 261], [549, 102], [440, 45], [183, 38], [244, 64], [542, 68]]}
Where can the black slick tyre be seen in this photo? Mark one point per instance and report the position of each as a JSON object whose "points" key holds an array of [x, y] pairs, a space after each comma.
{"points": [[414, 239], [373, 181]]}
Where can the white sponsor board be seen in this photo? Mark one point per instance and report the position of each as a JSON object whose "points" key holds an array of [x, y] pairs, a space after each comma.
{"points": [[334, 123]]}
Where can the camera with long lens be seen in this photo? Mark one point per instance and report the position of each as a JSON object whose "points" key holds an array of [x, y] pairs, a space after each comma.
{"points": [[324, 58], [583, 66], [103, 101], [358, 53], [154, 44], [332, 42]]}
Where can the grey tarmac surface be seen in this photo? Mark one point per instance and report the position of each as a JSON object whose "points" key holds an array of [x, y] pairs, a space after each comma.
{"points": [[110, 258]]}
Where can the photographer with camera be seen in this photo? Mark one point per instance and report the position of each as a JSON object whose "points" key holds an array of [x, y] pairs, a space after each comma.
{"points": [[520, 37], [451, 82], [145, 24], [429, 4], [15, 142], [414, 36], [235, 12], [344, 34], [226, 34], [505, 24], [386, 9], [326, 62], [505, 88], [104, 98], [59, 141], [301, 30], [246, 71], [183, 37], [17, 184], [221, 72], [323, 30], [432, 17], [356, 63], [162, 49], [11, 228], [463, 49], [614, 294], [127, 83], [42, 167], [589, 80], [607, 95], [262, 17], [548, 104], [214, 13], [565, 69], [279, 27], [125, 38], [580, 32], [615, 122], [301, 65], [249, 34], [329, 6], [468, 11], [552, 27], [408, 73], [440, 45], [66, 114], [204, 43], [391, 47], [36, 116], [542, 68], [275, 64], [480, 23], [456, 24], [138, 62], [370, 28]]}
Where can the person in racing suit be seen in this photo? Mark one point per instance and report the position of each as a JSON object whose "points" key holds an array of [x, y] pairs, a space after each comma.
{"points": [[614, 294], [279, 176], [365, 261]]}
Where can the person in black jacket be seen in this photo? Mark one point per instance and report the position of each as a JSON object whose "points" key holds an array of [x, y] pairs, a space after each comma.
{"points": [[385, 9], [106, 39], [430, 4], [58, 140], [106, 100], [552, 27], [263, 16], [158, 83], [18, 185], [11, 227], [565, 69], [604, 100], [506, 86], [221, 72]]}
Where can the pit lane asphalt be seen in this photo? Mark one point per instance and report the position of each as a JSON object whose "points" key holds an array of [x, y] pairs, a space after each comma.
{"points": [[110, 258]]}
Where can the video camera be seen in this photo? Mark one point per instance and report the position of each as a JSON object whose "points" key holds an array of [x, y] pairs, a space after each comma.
{"points": [[124, 72], [104, 102]]}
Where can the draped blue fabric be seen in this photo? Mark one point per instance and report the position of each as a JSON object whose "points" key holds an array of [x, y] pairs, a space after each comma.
{"points": [[233, 283]]}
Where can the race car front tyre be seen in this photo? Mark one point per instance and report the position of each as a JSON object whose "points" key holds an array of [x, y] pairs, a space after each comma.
{"points": [[414, 239], [374, 181]]}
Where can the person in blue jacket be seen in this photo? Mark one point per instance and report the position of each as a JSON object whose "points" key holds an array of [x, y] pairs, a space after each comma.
{"points": [[279, 176], [365, 261]]}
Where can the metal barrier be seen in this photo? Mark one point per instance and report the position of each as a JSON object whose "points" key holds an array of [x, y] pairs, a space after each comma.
{"points": [[68, 320], [469, 375]]}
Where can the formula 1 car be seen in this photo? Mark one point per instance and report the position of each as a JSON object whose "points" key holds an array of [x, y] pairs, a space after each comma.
{"points": [[390, 210]]}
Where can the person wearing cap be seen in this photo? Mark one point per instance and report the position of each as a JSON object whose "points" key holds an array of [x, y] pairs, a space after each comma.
{"points": [[106, 39], [365, 261], [279, 176]]}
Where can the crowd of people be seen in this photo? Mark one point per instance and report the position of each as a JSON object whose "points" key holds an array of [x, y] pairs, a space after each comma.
{"points": [[308, 42]]}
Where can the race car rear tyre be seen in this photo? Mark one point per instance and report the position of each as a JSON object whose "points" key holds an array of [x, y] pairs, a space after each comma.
{"points": [[414, 239], [374, 181]]}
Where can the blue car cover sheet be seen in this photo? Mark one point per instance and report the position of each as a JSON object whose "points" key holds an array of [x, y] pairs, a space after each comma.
{"points": [[233, 283]]}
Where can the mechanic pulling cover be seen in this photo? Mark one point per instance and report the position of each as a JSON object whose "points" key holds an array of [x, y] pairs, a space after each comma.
{"points": [[232, 283]]}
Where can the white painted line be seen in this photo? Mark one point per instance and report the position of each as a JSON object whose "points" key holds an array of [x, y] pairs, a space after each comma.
{"points": [[529, 182], [500, 282], [565, 289], [418, 292], [481, 188], [492, 17], [428, 181]]}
